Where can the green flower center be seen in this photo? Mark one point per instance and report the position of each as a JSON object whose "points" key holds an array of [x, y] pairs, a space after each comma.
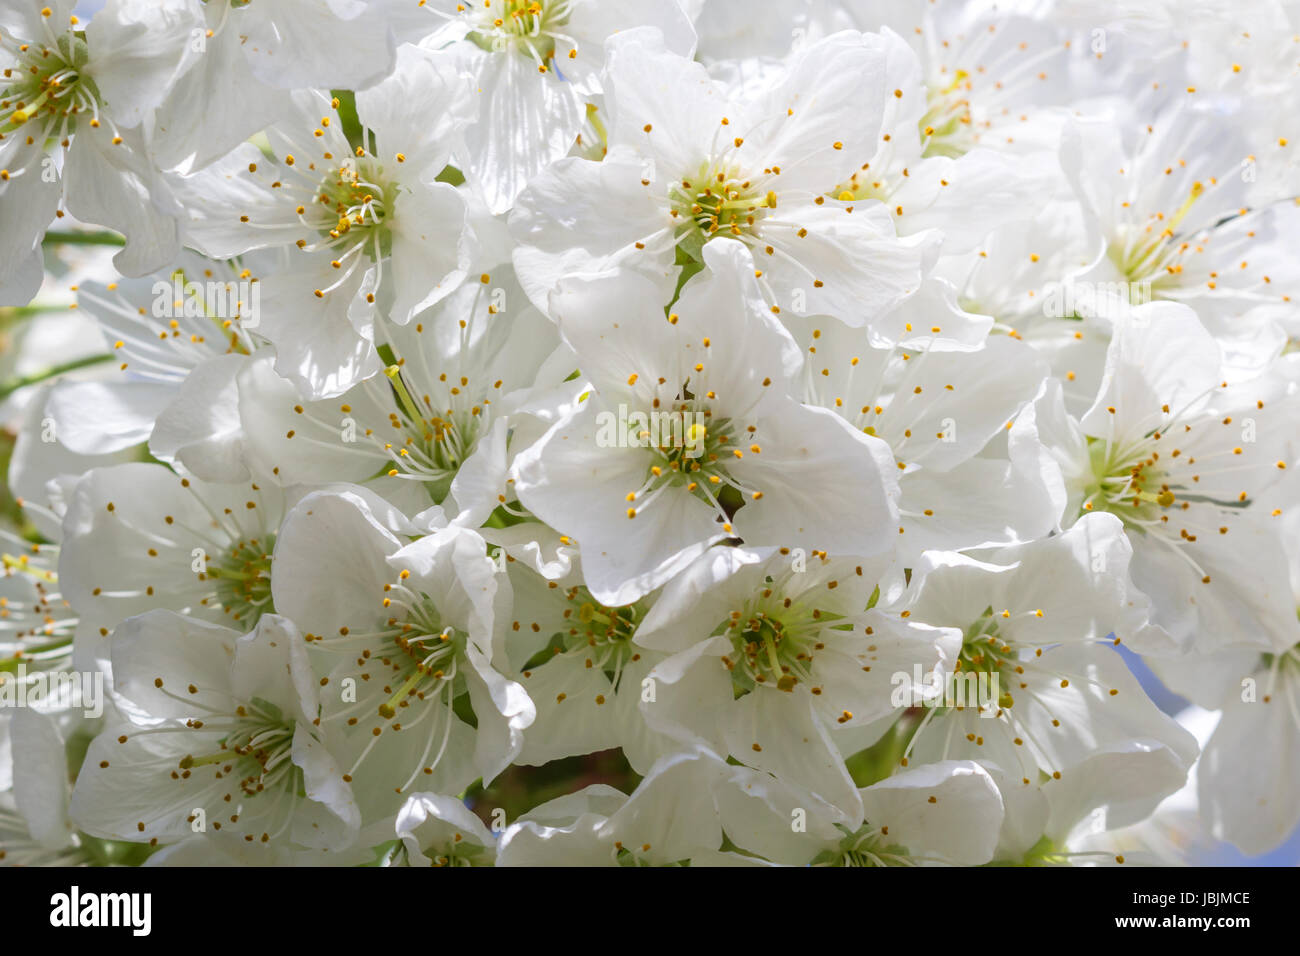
{"points": [[1287, 663], [410, 666], [693, 450], [460, 854], [1150, 255], [600, 635], [606, 631], [946, 127], [989, 660], [774, 639], [718, 199], [421, 653], [243, 579], [352, 205], [1134, 488], [259, 747], [430, 441], [529, 27], [866, 846], [43, 93]]}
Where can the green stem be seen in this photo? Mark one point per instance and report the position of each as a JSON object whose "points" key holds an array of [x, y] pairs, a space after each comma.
{"points": [[84, 238], [14, 385], [19, 312]]}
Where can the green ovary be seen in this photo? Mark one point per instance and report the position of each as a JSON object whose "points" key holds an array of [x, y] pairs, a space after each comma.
{"points": [[259, 750], [717, 200], [1134, 489], [693, 452], [774, 640], [355, 205], [527, 27], [866, 846], [433, 443], [985, 654], [243, 579], [946, 126], [601, 635], [46, 90]]}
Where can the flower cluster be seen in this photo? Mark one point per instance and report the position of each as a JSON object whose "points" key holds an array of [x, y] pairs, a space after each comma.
{"points": [[724, 432]]}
